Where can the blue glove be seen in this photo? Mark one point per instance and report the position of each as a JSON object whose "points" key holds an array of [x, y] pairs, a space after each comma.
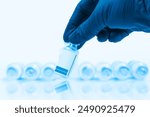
{"points": [[108, 20]]}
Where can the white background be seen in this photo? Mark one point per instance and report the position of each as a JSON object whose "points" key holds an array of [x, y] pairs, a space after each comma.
{"points": [[32, 31], [141, 108]]}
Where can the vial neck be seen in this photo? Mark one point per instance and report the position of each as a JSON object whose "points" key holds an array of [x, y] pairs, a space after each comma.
{"points": [[73, 46]]}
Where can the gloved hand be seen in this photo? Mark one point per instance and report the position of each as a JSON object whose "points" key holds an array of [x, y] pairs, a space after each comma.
{"points": [[107, 19]]}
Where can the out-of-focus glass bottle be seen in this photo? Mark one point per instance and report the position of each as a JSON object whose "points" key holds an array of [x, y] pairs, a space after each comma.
{"points": [[86, 71], [104, 71], [47, 71], [121, 70], [139, 69], [14, 71], [32, 71]]}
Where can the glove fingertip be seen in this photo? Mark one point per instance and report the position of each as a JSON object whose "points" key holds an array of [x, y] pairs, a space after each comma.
{"points": [[101, 39], [65, 38], [76, 37], [119, 35]]}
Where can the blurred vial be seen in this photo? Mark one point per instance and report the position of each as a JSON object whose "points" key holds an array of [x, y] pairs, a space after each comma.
{"points": [[48, 71], [12, 88], [139, 70], [87, 89], [121, 70], [125, 87], [106, 87], [14, 71], [32, 71], [31, 89], [141, 87], [48, 89], [66, 60], [62, 87], [104, 71], [86, 71]]}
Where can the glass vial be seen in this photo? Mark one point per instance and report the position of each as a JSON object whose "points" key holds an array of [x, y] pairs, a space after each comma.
{"points": [[47, 71], [139, 70], [86, 71], [121, 70], [66, 60], [104, 71], [14, 71], [32, 71]]}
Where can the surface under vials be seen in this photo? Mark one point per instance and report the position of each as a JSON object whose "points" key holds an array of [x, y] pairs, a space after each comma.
{"points": [[66, 60], [61, 87], [39, 81], [12, 88], [141, 87], [139, 70]]}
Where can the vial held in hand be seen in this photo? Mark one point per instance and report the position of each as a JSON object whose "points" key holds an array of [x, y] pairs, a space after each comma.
{"points": [[66, 60]]}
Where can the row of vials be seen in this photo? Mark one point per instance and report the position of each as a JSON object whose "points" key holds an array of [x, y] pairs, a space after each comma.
{"points": [[86, 71]]}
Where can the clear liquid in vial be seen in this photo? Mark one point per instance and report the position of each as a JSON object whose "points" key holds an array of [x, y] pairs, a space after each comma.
{"points": [[66, 60]]}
